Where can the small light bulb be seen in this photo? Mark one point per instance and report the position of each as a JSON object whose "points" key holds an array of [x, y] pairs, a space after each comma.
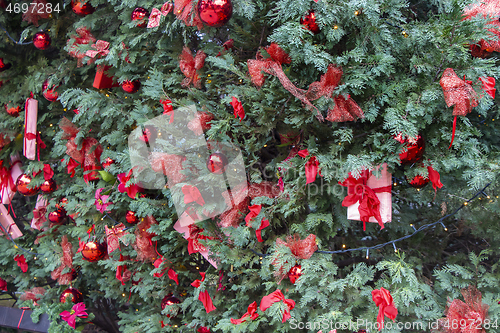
{"points": [[343, 246], [335, 27], [466, 203]]}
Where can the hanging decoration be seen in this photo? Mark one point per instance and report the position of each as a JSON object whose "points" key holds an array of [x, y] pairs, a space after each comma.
{"points": [[254, 212], [383, 299], [30, 133], [274, 297], [36, 11], [250, 314], [8, 225], [39, 213], [185, 11], [143, 243], [114, 236], [190, 66], [155, 17], [66, 264], [215, 13], [8, 177]]}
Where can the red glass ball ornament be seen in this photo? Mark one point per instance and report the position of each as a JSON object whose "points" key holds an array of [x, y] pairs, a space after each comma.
{"points": [[416, 148], [294, 273], [71, 294], [131, 86], [93, 251], [309, 21], [107, 162], [418, 181], [22, 183], [169, 300], [217, 163], [48, 186], [140, 14], [13, 111], [50, 94], [58, 216], [41, 40], [82, 8], [215, 13], [131, 218]]}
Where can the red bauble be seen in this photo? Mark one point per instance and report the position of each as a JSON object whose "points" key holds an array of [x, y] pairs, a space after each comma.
{"points": [[58, 216], [41, 40], [215, 13], [418, 181], [131, 218], [416, 148], [217, 163], [48, 186], [107, 162], [169, 300], [22, 183], [140, 14], [3, 66], [93, 251], [131, 86], [294, 273], [309, 21], [82, 8], [71, 294], [13, 111], [50, 94]]}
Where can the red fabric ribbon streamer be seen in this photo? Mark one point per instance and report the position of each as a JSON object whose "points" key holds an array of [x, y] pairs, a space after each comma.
{"points": [[122, 273], [277, 296], [251, 313], [6, 178], [89, 155], [193, 241], [192, 194], [201, 122], [172, 275], [72, 165], [312, 168], [488, 85], [435, 178], [197, 283], [358, 191], [3, 285], [459, 93], [468, 316], [185, 11], [48, 173], [101, 48], [383, 299], [254, 211], [39, 142], [21, 262], [205, 298], [66, 262], [157, 264], [168, 109], [190, 66], [238, 109]]}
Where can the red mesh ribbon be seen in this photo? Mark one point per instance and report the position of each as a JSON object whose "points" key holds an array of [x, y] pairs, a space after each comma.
{"points": [[190, 66], [36, 12], [185, 11], [468, 316], [344, 110], [100, 48], [486, 8], [113, 236], [358, 191], [459, 93], [383, 299], [277, 296], [90, 153], [143, 244], [168, 164], [195, 235], [273, 67], [156, 14], [251, 313], [66, 262], [39, 217], [201, 122], [84, 38], [33, 294], [300, 248]]}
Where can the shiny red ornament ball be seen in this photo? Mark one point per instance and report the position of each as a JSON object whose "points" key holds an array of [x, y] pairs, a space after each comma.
{"points": [[81, 7], [418, 181], [140, 14], [416, 148], [22, 183], [131, 218], [107, 163], [93, 251], [41, 40], [50, 94], [215, 13], [13, 111], [48, 186], [309, 21], [169, 300], [58, 216], [217, 163], [71, 294], [294, 273], [131, 86]]}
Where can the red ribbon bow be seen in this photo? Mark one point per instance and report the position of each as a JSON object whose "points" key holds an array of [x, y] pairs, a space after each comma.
{"points": [[101, 48], [383, 299], [6, 178], [254, 211], [300, 248], [277, 296], [39, 142], [85, 38], [251, 312], [358, 191], [459, 93], [190, 66], [155, 16], [21, 262]]}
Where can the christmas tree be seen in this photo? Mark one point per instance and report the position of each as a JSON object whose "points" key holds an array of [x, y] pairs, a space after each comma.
{"points": [[251, 166]]}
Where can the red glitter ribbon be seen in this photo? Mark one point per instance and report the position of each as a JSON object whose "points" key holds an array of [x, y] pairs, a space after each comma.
{"points": [[190, 66]]}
